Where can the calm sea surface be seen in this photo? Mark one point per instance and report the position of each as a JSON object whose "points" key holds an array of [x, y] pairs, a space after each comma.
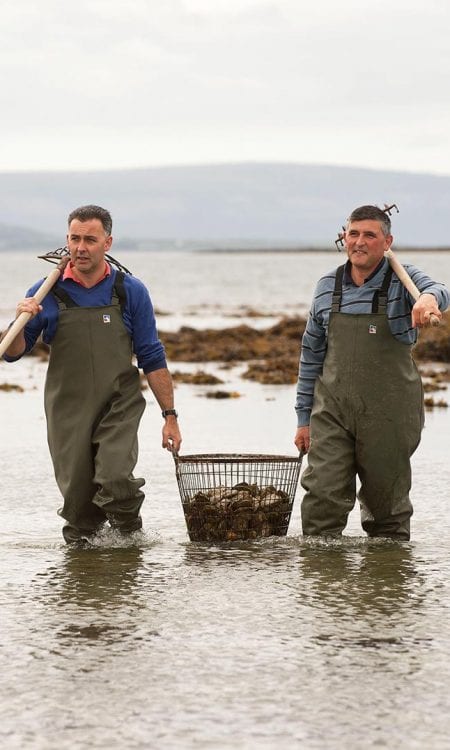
{"points": [[169, 644]]}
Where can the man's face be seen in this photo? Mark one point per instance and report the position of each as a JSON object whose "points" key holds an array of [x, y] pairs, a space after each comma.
{"points": [[88, 243], [366, 244]]}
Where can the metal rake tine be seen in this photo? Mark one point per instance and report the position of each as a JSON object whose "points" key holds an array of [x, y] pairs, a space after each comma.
{"points": [[54, 256], [117, 264], [388, 209], [339, 242]]}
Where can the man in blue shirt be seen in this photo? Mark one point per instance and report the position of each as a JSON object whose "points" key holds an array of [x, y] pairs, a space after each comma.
{"points": [[359, 394], [94, 320]]}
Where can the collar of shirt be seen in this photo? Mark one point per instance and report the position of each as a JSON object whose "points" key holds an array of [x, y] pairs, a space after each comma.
{"points": [[68, 274], [348, 272]]}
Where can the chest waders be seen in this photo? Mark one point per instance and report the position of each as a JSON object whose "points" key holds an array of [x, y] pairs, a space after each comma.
{"points": [[366, 421], [93, 404]]}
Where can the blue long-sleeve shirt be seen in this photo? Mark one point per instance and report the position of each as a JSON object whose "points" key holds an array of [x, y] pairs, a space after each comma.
{"points": [[138, 317], [356, 299]]}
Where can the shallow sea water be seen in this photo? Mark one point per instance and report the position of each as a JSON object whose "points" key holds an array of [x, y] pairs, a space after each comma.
{"points": [[164, 643]]}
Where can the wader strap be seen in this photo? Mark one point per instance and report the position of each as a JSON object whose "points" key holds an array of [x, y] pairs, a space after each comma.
{"points": [[337, 294], [63, 299], [119, 296], [380, 298]]}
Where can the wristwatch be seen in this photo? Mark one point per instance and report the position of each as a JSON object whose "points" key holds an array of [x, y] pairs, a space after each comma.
{"points": [[169, 412]]}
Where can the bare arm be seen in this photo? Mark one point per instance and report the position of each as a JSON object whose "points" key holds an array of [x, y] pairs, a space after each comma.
{"points": [[160, 383]]}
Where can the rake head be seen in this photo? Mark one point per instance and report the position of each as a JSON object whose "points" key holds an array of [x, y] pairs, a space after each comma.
{"points": [[54, 256], [339, 242]]}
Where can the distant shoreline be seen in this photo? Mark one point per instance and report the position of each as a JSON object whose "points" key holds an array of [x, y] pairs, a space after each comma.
{"points": [[311, 250], [122, 248]]}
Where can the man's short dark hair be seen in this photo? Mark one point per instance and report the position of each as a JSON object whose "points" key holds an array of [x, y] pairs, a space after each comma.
{"points": [[86, 213], [374, 214]]}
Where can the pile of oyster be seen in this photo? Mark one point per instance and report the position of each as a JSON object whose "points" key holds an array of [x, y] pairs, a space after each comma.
{"points": [[244, 511]]}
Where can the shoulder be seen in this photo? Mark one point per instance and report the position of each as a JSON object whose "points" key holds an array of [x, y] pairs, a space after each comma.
{"points": [[134, 285], [33, 289], [417, 275], [326, 282], [137, 294], [411, 268], [135, 289]]}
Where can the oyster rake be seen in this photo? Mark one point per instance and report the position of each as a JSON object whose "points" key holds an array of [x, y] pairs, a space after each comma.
{"points": [[60, 257], [55, 256]]}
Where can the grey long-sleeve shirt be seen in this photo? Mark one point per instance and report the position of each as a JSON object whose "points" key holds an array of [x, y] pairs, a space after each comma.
{"points": [[356, 299]]}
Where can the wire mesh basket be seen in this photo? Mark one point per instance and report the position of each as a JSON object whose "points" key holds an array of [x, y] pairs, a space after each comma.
{"points": [[231, 496]]}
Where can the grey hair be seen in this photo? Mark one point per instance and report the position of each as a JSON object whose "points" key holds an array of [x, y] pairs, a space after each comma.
{"points": [[373, 213], [85, 213]]}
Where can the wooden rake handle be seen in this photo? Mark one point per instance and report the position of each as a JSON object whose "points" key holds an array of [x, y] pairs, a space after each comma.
{"points": [[24, 317], [407, 281]]}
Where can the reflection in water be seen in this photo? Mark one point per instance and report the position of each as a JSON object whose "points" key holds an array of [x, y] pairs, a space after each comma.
{"points": [[271, 552], [282, 642], [92, 595], [361, 578], [370, 593], [350, 576], [97, 578]]}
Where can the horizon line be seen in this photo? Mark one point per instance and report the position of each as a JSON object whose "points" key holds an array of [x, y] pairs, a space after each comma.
{"points": [[216, 164]]}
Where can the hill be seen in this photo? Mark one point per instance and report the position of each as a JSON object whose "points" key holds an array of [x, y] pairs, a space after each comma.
{"points": [[23, 238], [273, 203]]}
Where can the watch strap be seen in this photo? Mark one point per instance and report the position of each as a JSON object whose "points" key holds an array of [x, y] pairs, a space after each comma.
{"points": [[169, 413]]}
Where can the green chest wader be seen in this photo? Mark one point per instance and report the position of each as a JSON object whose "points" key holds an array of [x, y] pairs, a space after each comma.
{"points": [[366, 421], [93, 405]]}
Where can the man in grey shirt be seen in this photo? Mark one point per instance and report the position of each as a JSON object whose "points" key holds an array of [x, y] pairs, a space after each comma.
{"points": [[359, 394]]}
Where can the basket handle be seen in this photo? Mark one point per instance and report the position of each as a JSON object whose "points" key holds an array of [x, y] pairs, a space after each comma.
{"points": [[176, 456]]}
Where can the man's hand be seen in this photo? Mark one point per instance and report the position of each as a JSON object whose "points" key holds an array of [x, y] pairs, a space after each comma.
{"points": [[302, 439], [171, 437], [16, 346], [28, 305], [424, 308]]}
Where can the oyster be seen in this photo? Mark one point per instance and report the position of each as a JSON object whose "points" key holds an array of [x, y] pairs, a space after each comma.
{"points": [[243, 511]]}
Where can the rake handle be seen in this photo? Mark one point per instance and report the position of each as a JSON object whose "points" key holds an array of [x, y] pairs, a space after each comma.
{"points": [[21, 321], [407, 281]]}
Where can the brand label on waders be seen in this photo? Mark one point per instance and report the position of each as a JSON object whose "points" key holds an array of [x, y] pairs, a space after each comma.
{"points": [[372, 329]]}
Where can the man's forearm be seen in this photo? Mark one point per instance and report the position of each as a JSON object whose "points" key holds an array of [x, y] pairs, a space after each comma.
{"points": [[426, 285], [160, 382], [17, 345]]}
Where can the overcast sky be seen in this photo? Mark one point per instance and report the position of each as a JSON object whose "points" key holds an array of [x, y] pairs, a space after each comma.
{"points": [[105, 83]]}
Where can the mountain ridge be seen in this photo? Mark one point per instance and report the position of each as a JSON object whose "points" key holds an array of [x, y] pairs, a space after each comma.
{"points": [[267, 202]]}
